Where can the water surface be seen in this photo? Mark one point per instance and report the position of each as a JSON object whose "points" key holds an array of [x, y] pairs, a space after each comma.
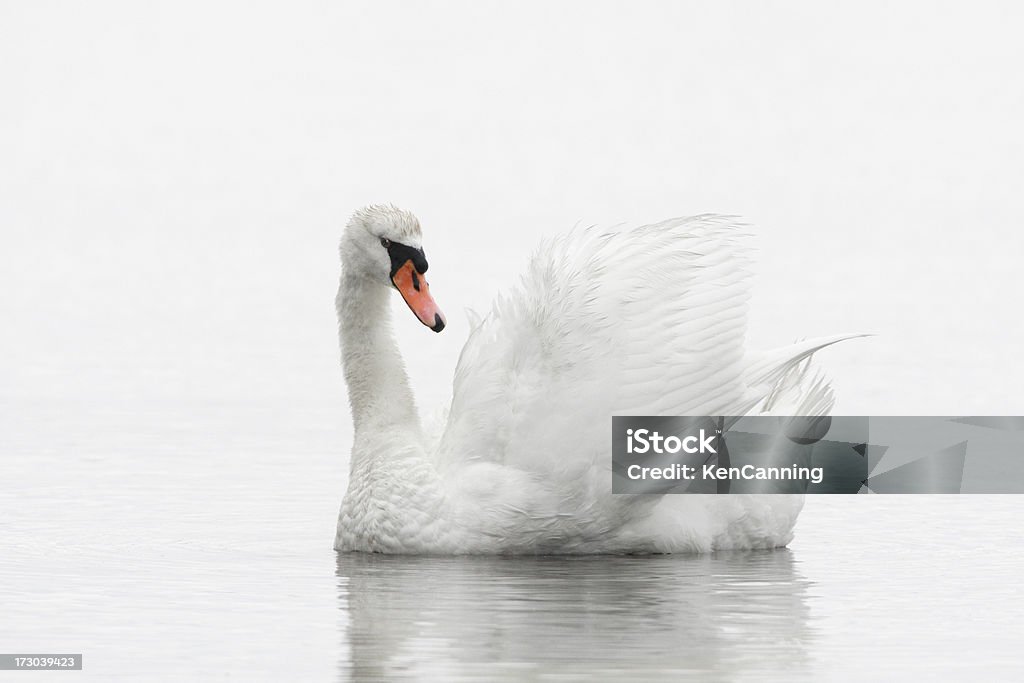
{"points": [[184, 540]]}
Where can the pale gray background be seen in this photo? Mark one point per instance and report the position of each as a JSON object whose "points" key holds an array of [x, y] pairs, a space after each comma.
{"points": [[174, 177]]}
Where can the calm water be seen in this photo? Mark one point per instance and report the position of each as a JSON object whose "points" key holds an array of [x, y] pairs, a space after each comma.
{"points": [[184, 540]]}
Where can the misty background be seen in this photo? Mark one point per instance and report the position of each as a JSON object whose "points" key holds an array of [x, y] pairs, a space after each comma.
{"points": [[176, 175]]}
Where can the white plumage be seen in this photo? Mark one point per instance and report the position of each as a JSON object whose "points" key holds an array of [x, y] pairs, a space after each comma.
{"points": [[642, 321]]}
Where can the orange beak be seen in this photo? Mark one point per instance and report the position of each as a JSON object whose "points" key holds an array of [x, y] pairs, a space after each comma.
{"points": [[414, 289]]}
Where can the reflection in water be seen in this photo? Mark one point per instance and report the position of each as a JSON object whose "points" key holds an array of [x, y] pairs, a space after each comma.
{"points": [[664, 616]]}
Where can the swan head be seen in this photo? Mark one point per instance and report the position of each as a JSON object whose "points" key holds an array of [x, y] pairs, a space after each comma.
{"points": [[383, 244]]}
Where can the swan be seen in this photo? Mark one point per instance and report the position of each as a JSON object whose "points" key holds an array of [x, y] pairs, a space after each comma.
{"points": [[642, 321]]}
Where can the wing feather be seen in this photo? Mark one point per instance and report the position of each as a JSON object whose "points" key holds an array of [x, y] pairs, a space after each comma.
{"points": [[649, 320]]}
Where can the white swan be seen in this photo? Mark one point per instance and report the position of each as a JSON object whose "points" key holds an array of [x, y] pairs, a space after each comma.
{"points": [[644, 321]]}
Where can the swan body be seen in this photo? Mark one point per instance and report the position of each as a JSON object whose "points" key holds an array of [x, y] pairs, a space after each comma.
{"points": [[642, 321]]}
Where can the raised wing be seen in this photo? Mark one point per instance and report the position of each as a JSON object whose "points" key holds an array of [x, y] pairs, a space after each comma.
{"points": [[643, 321]]}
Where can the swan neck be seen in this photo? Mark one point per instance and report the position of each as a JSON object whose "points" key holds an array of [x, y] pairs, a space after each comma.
{"points": [[378, 386]]}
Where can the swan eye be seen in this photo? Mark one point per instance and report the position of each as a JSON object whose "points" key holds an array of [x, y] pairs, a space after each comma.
{"points": [[385, 242]]}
